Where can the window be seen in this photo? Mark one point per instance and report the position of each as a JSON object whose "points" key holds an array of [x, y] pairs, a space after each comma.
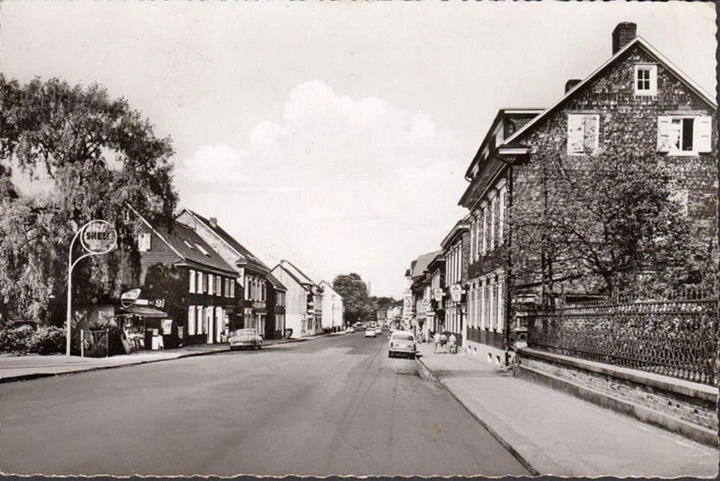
{"points": [[501, 215], [484, 230], [188, 244], [211, 284], [583, 133], [200, 287], [202, 249], [192, 281], [191, 320], [218, 286], [493, 222], [688, 135], [645, 79], [144, 242], [232, 287]]}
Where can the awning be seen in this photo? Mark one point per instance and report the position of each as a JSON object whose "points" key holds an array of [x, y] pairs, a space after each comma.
{"points": [[143, 311]]}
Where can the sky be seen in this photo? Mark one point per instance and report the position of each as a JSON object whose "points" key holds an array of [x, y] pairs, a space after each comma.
{"points": [[335, 134]]}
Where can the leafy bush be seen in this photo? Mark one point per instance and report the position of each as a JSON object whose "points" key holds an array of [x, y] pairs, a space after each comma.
{"points": [[25, 340], [16, 340], [48, 340]]}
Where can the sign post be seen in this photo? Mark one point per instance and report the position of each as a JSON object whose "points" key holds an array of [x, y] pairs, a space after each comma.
{"points": [[97, 237]]}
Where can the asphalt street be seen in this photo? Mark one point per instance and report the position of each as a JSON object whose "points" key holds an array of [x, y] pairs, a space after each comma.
{"points": [[333, 405]]}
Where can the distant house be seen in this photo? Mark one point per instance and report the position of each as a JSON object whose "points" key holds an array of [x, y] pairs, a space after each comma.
{"points": [[250, 271], [417, 314], [276, 305], [456, 249], [333, 310], [303, 300]]}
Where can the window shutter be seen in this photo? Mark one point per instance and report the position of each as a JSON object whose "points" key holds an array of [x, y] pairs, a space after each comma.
{"points": [[191, 320], [590, 134], [664, 143], [575, 135], [703, 134], [192, 281]]}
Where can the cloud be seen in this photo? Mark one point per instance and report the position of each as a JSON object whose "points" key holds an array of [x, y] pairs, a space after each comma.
{"points": [[345, 184]]}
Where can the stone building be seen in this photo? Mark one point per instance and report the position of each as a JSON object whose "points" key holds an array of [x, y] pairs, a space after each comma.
{"points": [[636, 105]]}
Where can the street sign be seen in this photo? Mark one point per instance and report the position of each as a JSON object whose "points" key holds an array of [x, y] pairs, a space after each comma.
{"points": [[128, 298], [98, 237]]}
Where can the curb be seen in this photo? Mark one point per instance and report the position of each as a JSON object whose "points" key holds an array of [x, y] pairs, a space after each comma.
{"points": [[427, 375], [40, 375]]}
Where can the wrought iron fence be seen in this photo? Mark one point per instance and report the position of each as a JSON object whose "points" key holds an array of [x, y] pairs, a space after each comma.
{"points": [[675, 338]]}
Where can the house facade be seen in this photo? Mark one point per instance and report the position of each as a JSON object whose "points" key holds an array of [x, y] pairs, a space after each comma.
{"points": [[333, 310], [276, 303], [303, 300], [420, 294], [635, 105], [436, 314], [184, 277], [456, 250], [251, 272]]}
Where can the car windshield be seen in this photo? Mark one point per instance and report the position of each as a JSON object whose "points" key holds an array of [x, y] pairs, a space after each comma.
{"points": [[403, 337], [246, 332]]}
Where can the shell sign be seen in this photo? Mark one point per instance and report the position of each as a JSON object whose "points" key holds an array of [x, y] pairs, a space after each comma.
{"points": [[98, 237]]}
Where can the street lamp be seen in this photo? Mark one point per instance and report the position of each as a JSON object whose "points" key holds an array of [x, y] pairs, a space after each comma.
{"points": [[97, 237]]}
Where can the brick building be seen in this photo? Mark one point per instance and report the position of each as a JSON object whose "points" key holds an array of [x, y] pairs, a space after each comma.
{"points": [[636, 105]]}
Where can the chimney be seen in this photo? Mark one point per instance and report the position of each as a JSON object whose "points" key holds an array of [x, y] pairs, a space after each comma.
{"points": [[213, 221], [623, 34], [571, 83]]}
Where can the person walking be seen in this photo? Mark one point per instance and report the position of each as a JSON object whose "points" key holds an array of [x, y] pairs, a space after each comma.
{"points": [[436, 341]]}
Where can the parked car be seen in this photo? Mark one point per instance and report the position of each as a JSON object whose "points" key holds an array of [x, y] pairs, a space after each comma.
{"points": [[370, 332], [350, 330], [247, 337], [402, 343]]}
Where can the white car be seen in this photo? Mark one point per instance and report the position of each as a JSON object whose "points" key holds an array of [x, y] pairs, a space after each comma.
{"points": [[350, 330], [402, 343], [370, 332], [248, 337]]}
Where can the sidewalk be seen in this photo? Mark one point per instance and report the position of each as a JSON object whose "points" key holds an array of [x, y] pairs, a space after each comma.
{"points": [[23, 368], [555, 433]]}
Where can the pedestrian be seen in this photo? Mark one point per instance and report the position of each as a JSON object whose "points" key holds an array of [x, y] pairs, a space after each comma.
{"points": [[452, 343], [436, 341], [443, 342]]}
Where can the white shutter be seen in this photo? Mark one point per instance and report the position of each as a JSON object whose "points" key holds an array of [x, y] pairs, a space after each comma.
{"points": [[192, 281], [664, 144], [702, 134], [575, 134], [191, 320], [211, 284], [591, 124]]}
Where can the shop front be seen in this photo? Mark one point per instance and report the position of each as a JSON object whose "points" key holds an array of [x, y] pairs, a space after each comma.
{"points": [[144, 328]]}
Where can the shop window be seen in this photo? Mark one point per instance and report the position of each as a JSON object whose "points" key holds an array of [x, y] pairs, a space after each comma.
{"points": [[583, 134], [678, 135]]}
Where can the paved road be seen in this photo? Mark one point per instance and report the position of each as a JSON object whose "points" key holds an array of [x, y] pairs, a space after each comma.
{"points": [[334, 405]]}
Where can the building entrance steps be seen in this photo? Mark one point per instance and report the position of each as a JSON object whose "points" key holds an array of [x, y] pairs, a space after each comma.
{"points": [[556, 433]]}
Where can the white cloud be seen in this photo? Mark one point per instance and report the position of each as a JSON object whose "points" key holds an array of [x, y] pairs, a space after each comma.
{"points": [[347, 184]]}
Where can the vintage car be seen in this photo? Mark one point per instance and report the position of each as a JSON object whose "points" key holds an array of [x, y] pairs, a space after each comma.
{"points": [[402, 343], [370, 332], [247, 337]]}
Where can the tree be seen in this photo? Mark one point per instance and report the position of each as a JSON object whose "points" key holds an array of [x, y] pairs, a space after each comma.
{"points": [[99, 156], [355, 296], [613, 224]]}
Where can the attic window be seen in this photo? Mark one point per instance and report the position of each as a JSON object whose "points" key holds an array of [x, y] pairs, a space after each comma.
{"points": [[144, 242], [646, 80], [201, 249], [188, 244]]}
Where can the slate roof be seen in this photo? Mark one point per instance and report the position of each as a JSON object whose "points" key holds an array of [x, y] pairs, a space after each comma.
{"points": [[275, 282], [296, 273], [422, 262], [248, 256]]}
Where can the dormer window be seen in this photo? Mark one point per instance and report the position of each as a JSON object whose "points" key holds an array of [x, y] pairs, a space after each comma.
{"points": [[646, 80], [201, 249]]}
